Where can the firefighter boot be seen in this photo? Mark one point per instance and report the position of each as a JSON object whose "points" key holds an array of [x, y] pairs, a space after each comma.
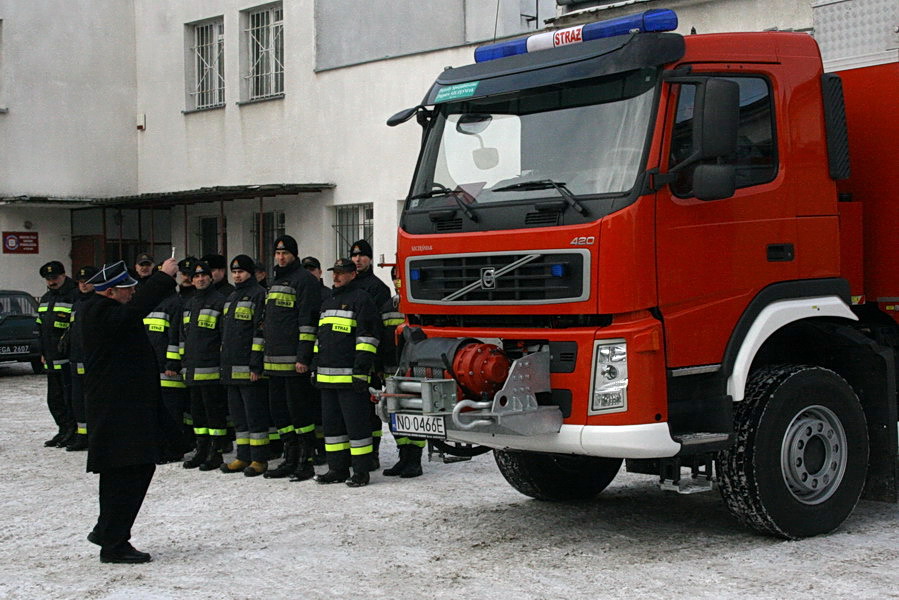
{"points": [[78, 444], [256, 468], [235, 466], [375, 462], [412, 467], [361, 466], [289, 465], [338, 468], [320, 457], [398, 467], [204, 443], [214, 458], [304, 468]]}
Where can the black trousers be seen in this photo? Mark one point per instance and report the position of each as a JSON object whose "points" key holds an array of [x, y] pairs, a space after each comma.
{"points": [[292, 404], [177, 404], [209, 409], [348, 436], [122, 492], [249, 411], [59, 397], [77, 393]]}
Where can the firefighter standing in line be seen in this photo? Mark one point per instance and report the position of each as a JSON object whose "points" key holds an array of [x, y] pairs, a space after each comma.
{"points": [[163, 327], [361, 253], [242, 351], [291, 312], [143, 268], [186, 287], [312, 264], [75, 337], [218, 265], [53, 316], [410, 448], [345, 349], [201, 345]]}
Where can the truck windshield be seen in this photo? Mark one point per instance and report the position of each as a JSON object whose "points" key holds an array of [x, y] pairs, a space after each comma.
{"points": [[583, 138]]}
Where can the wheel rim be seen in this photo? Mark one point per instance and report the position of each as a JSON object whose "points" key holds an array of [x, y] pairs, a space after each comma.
{"points": [[813, 455]]}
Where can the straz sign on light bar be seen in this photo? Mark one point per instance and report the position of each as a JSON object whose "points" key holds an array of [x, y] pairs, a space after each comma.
{"points": [[551, 39]]}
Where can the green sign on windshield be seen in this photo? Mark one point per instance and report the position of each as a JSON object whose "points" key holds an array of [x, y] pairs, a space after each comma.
{"points": [[457, 92]]}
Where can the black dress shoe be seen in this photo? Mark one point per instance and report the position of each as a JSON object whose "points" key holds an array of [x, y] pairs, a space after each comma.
{"points": [[332, 477], [93, 538], [52, 442], [124, 553]]}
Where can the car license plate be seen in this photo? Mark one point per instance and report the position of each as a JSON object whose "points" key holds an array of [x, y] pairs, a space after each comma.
{"points": [[418, 425], [23, 349]]}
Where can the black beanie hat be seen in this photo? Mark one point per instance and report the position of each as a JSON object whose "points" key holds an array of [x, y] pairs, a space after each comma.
{"points": [[362, 247], [243, 263], [286, 242], [215, 261]]}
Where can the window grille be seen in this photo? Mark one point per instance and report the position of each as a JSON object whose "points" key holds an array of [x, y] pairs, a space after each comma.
{"points": [[265, 45], [209, 65], [265, 231], [353, 223]]}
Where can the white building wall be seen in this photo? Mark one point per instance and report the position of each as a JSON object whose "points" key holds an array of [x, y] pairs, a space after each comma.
{"points": [[20, 271], [67, 72]]}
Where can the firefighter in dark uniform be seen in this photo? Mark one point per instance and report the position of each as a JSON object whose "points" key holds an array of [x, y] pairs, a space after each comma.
{"points": [[361, 253], [201, 344], [242, 350], [126, 421], [75, 343], [312, 264], [410, 448], [218, 264], [163, 327], [345, 349], [291, 311], [143, 268], [186, 287], [53, 316]]}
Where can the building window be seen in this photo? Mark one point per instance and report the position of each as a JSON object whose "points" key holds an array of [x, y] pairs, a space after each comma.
{"points": [[267, 227], [210, 237], [354, 222], [207, 60], [264, 74]]}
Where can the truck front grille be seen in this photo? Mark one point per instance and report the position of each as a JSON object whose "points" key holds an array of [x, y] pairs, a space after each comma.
{"points": [[500, 278]]}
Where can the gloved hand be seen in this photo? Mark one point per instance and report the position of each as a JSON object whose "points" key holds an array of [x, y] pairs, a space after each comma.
{"points": [[360, 384]]}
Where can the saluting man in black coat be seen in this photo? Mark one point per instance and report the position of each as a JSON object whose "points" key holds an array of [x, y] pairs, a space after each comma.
{"points": [[126, 421]]}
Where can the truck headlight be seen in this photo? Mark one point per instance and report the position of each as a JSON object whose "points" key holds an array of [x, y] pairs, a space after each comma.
{"points": [[609, 377]]}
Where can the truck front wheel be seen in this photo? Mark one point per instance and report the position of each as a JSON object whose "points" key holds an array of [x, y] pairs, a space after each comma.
{"points": [[798, 464], [556, 476]]}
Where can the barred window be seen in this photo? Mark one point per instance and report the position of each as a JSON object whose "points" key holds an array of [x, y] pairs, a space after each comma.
{"points": [[354, 222], [265, 52], [208, 61]]}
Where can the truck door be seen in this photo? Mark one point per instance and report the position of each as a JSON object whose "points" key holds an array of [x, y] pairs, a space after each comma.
{"points": [[713, 256]]}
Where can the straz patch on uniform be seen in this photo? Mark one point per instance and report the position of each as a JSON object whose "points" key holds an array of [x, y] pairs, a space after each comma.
{"points": [[284, 303], [341, 328], [206, 321], [243, 313], [156, 327]]}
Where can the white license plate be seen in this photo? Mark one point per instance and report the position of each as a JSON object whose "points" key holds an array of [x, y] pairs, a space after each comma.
{"points": [[15, 349], [418, 425]]}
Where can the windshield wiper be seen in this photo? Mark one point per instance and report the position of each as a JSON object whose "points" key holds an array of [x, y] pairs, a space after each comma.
{"points": [[545, 184], [442, 190]]}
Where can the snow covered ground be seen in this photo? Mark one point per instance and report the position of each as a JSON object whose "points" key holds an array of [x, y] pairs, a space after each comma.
{"points": [[458, 532]]}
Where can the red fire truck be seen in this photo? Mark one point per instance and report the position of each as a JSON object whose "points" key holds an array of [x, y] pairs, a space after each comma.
{"points": [[624, 244]]}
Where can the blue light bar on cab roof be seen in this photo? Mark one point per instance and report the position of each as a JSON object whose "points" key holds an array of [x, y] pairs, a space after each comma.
{"points": [[657, 19]]}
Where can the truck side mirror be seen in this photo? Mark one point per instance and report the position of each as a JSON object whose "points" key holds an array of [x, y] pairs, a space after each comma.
{"points": [[714, 182], [715, 132]]}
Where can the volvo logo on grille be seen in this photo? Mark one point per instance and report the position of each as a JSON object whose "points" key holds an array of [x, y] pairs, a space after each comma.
{"points": [[488, 278]]}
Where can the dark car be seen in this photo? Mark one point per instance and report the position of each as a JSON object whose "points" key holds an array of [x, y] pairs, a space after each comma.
{"points": [[19, 337]]}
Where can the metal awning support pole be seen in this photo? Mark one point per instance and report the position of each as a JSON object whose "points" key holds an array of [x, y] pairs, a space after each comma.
{"points": [[105, 241], [186, 251], [260, 235], [223, 243]]}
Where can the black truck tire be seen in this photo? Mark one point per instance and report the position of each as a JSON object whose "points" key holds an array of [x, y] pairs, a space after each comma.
{"points": [[556, 476], [798, 464]]}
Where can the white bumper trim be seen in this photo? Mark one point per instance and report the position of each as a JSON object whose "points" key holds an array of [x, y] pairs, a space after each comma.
{"points": [[651, 440]]}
